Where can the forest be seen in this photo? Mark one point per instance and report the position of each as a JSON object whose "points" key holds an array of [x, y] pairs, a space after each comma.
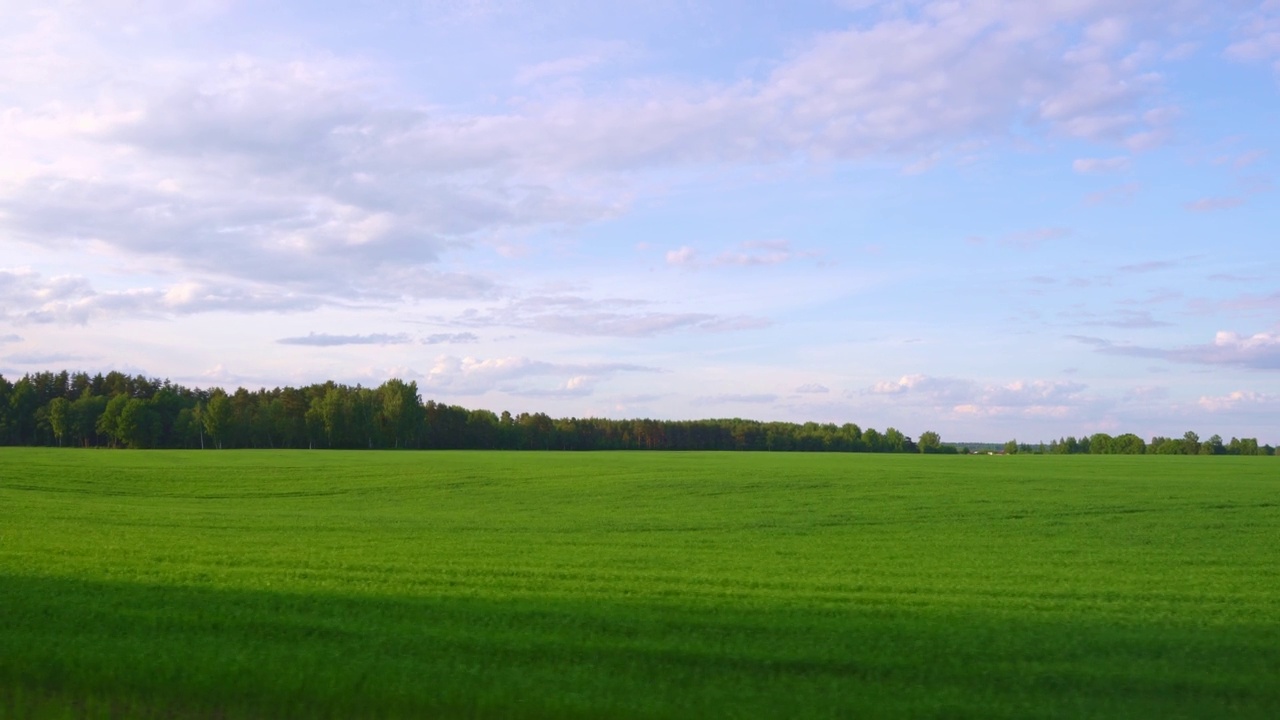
{"points": [[121, 411]]}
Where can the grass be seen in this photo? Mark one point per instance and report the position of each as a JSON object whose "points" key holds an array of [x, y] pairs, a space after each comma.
{"points": [[471, 584]]}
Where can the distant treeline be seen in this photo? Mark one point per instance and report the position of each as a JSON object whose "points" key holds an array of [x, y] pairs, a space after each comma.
{"points": [[1130, 444], [118, 410]]}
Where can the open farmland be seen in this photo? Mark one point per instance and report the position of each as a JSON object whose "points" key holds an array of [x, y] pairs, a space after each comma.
{"points": [[474, 584]]}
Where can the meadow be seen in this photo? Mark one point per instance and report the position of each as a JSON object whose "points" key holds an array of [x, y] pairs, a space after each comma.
{"points": [[231, 584]]}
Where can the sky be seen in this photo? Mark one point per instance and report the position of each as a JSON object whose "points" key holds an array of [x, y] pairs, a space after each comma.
{"points": [[989, 219]]}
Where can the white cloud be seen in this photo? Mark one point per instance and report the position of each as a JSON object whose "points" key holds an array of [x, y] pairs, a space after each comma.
{"points": [[27, 296], [896, 387], [287, 180], [813, 388], [683, 256], [512, 375], [345, 185], [576, 386], [1260, 351], [1239, 400], [1037, 398], [220, 376]]}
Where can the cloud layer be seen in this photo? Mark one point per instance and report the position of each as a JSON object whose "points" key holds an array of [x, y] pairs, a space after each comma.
{"points": [[298, 172], [1260, 351]]}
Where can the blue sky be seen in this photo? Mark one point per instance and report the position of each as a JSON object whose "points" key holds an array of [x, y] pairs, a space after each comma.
{"points": [[991, 219]]}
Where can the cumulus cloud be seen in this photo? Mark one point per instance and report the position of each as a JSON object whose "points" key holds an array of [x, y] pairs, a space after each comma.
{"points": [[813, 388], [897, 387], [1260, 351], [1239, 400], [576, 386], [28, 296], [274, 171], [220, 376], [682, 256], [932, 386], [513, 375], [961, 397], [1036, 396], [326, 340], [313, 244]]}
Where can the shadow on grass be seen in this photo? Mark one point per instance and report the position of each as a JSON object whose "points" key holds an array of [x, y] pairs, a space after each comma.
{"points": [[73, 648]]}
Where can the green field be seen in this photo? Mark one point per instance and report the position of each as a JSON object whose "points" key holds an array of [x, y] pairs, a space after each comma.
{"points": [[473, 584]]}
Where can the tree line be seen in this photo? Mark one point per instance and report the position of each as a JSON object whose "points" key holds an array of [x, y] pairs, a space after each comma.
{"points": [[119, 410], [1130, 444]]}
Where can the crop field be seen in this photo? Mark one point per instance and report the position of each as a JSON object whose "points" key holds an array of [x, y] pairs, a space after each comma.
{"points": [[488, 584]]}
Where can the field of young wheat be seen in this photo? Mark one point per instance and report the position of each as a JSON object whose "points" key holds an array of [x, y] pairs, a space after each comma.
{"points": [[645, 585]]}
